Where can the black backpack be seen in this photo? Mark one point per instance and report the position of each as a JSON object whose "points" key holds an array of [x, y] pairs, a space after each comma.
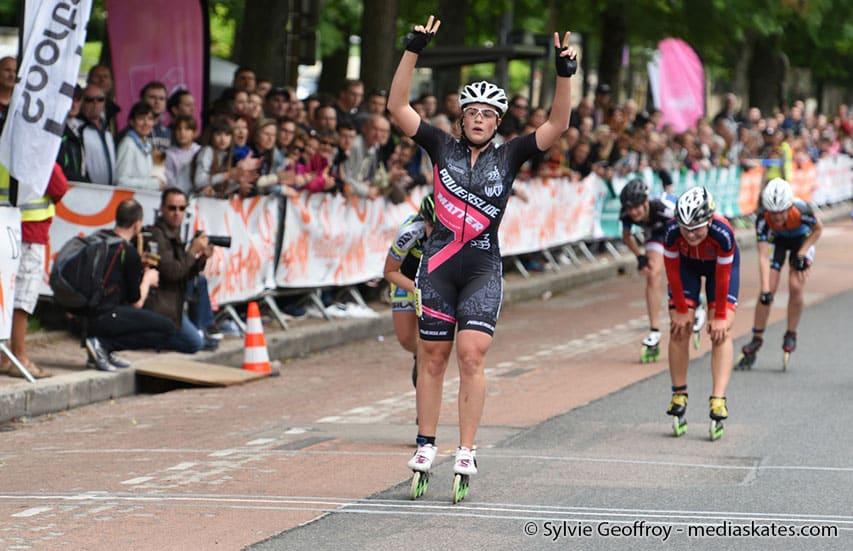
{"points": [[81, 269]]}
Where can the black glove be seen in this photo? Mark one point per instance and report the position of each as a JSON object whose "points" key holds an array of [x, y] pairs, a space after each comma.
{"points": [[765, 298], [801, 263], [642, 261], [566, 66], [416, 41]]}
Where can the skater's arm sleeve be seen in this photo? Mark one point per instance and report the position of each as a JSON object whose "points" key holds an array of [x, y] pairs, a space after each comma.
{"points": [[672, 263], [726, 257]]}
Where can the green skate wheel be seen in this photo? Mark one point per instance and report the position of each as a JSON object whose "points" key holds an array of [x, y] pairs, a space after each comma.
{"points": [[420, 482], [696, 340], [460, 487], [679, 425], [716, 430]]}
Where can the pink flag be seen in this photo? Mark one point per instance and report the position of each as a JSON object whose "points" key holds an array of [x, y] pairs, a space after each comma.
{"points": [[680, 86], [156, 40]]}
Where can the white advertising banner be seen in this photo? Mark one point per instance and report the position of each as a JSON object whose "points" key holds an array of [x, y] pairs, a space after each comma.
{"points": [[10, 257], [245, 269], [558, 211], [54, 33], [333, 241]]}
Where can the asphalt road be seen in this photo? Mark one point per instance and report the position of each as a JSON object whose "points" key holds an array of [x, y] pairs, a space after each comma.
{"points": [[611, 475], [574, 445]]}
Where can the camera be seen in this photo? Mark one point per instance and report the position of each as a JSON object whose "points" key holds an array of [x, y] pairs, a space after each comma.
{"points": [[217, 240], [148, 248]]}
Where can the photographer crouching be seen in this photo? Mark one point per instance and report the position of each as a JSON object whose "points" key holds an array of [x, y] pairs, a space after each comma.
{"points": [[180, 267]]}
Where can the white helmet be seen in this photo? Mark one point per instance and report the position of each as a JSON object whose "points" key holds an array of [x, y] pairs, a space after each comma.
{"points": [[777, 195], [484, 92], [695, 208]]}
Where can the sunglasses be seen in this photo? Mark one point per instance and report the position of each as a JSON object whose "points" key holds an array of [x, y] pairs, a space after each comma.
{"points": [[173, 208], [93, 99], [486, 114]]}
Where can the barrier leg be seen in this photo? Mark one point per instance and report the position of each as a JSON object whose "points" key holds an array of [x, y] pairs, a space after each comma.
{"points": [[551, 260], [318, 302], [520, 267], [614, 252], [570, 252], [18, 365], [586, 252], [356, 296], [235, 317], [276, 311]]}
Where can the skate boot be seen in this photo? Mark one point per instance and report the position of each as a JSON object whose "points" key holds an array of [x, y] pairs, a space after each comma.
{"points": [[718, 412], [651, 347], [678, 409], [463, 468], [789, 344], [749, 353], [698, 323], [421, 463]]}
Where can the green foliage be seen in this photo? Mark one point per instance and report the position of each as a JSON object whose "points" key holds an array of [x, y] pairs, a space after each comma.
{"points": [[338, 20], [223, 25]]}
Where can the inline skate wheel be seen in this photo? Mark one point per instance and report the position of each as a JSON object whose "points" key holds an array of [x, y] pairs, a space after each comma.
{"points": [[420, 482], [460, 487]]}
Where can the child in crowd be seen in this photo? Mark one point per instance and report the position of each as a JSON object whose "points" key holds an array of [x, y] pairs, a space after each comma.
{"points": [[180, 155]]}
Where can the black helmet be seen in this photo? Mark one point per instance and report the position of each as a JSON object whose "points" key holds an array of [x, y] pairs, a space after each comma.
{"points": [[634, 193], [427, 210]]}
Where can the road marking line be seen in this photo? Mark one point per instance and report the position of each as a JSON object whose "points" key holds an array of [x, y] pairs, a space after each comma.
{"points": [[260, 441], [32, 511], [182, 466], [137, 480]]}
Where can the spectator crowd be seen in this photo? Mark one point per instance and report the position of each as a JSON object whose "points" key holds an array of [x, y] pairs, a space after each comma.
{"points": [[258, 138]]}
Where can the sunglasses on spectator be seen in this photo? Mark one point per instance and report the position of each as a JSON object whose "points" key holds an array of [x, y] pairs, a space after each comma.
{"points": [[327, 143], [93, 99], [486, 114], [173, 208]]}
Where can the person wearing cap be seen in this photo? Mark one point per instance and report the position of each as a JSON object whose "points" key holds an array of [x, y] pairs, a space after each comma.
{"points": [[458, 284], [699, 243], [601, 105], [277, 103], [71, 157]]}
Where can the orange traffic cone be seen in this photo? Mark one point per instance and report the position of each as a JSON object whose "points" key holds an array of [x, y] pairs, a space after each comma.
{"points": [[255, 355]]}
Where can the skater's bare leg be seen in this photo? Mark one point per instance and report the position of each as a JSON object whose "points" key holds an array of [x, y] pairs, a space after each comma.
{"points": [[681, 329], [796, 284], [471, 348], [722, 354], [432, 364]]}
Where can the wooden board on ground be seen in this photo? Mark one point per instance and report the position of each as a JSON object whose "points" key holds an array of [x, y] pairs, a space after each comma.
{"points": [[178, 369]]}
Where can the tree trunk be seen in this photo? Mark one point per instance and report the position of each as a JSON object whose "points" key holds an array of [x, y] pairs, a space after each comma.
{"points": [[765, 78], [263, 42], [453, 15], [334, 71], [379, 46], [740, 78], [613, 32]]}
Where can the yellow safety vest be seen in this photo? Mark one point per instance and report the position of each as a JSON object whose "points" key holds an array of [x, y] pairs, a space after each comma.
{"points": [[33, 211]]}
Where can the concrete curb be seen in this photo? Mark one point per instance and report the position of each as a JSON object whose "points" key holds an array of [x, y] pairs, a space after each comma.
{"points": [[63, 392]]}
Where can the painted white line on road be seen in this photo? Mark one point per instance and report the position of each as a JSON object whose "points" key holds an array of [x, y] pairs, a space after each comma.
{"points": [[137, 480], [496, 455], [260, 441], [32, 511], [296, 430], [223, 453], [499, 511], [182, 466]]}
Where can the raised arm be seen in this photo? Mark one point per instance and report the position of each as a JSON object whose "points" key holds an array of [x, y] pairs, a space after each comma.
{"points": [[558, 121], [405, 116]]}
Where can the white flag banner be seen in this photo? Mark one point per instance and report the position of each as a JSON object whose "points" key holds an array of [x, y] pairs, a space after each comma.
{"points": [[54, 33]]}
